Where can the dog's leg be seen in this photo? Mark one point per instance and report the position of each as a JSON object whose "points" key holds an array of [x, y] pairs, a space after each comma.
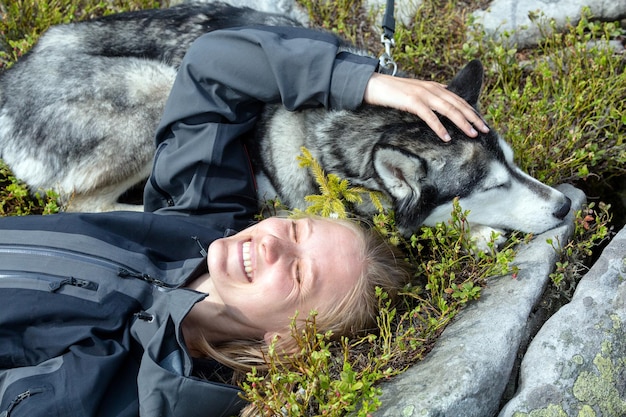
{"points": [[101, 199], [484, 236], [93, 204]]}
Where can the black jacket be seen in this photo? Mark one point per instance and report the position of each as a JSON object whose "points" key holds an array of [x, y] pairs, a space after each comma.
{"points": [[91, 304]]}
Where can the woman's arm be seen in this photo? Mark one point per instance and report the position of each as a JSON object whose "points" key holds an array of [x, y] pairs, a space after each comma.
{"points": [[200, 165]]}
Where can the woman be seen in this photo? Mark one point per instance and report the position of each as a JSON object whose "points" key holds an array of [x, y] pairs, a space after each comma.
{"points": [[115, 314]]}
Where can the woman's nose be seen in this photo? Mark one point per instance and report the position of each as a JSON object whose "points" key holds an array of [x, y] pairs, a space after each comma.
{"points": [[273, 248]]}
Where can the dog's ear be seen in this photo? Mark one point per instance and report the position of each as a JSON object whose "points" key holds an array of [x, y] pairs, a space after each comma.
{"points": [[400, 173], [469, 82], [404, 176]]}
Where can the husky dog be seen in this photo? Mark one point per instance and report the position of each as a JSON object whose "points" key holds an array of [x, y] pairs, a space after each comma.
{"points": [[78, 114]]}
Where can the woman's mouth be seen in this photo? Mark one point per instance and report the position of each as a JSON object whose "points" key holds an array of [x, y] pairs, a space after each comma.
{"points": [[247, 262]]}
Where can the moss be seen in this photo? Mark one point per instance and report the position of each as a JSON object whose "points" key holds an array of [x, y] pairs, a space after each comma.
{"points": [[617, 323], [596, 391], [408, 411], [552, 410], [600, 389], [586, 411], [578, 359]]}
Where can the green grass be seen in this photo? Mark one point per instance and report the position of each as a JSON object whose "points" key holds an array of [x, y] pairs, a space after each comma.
{"points": [[16, 198], [23, 21], [563, 106], [560, 105]]}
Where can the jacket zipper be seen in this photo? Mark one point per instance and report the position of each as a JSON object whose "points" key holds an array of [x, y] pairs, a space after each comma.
{"points": [[64, 254], [153, 182], [74, 282], [121, 269], [54, 282], [17, 400]]}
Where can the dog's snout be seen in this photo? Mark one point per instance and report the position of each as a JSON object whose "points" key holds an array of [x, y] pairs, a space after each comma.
{"points": [[562, 211]]}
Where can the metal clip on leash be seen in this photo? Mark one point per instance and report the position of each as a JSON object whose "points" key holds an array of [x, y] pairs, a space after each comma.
{"points": [[385, 60], [389, 27]]}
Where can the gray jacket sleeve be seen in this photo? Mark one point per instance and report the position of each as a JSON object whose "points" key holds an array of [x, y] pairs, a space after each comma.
{"points": [[201, 168]]}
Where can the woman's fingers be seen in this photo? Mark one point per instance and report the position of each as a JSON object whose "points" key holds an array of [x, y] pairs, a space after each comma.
{"points": [[424, 98], [457, 110]]}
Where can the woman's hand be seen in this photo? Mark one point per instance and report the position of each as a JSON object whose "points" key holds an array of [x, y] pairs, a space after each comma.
{"points": [[423, 98]]}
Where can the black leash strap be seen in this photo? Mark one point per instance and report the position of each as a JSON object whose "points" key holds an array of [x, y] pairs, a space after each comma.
{"points": [[389, 22], [389, 28]]}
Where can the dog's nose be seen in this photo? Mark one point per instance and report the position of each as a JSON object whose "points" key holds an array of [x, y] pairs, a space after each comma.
{"points": [[563, 210]]}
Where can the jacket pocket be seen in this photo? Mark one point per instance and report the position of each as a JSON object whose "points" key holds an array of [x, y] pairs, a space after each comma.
{"points": [[43, 282], [21, 398]]}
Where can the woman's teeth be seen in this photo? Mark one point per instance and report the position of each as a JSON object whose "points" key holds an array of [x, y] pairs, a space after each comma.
{"points": [[247, 263]]}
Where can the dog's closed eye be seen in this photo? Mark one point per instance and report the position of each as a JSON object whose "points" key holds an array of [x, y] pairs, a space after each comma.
{"points": [[501, 185]]}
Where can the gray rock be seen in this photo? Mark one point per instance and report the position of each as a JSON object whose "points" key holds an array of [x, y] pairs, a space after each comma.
{"points": [[404, 10], [512, 15], [577, 361], [468, 369], [286, 7]]}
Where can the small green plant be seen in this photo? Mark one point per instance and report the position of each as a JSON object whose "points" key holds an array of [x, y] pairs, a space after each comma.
{"points": [[334, 15], [591, 229], [321, 379], [16, 199], [562, 107], [465, 292], [336, 196], [434, 46], [453, 268]]}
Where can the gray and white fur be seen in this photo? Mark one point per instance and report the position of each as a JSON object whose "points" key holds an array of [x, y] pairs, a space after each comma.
{"points": [[78, 114]]}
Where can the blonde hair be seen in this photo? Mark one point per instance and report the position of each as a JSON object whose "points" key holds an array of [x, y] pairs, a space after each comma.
{"points": [[383, 266]]}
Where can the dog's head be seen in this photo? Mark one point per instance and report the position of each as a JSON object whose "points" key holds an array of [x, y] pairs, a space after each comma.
{"points": [[423, 174]]}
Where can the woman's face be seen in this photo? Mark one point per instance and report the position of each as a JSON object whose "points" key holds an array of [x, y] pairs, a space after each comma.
{"points": [[266, 273]]}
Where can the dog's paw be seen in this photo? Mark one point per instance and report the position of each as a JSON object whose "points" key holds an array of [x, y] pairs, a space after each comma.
{"points": [[487, 239]]}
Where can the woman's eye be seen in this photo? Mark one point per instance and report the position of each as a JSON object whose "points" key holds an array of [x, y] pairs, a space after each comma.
{"points": [[294, 231], [294, 228]]}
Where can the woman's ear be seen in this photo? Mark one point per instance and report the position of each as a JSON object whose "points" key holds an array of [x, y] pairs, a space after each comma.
{"points": [[271, 337], [283, 342]]}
